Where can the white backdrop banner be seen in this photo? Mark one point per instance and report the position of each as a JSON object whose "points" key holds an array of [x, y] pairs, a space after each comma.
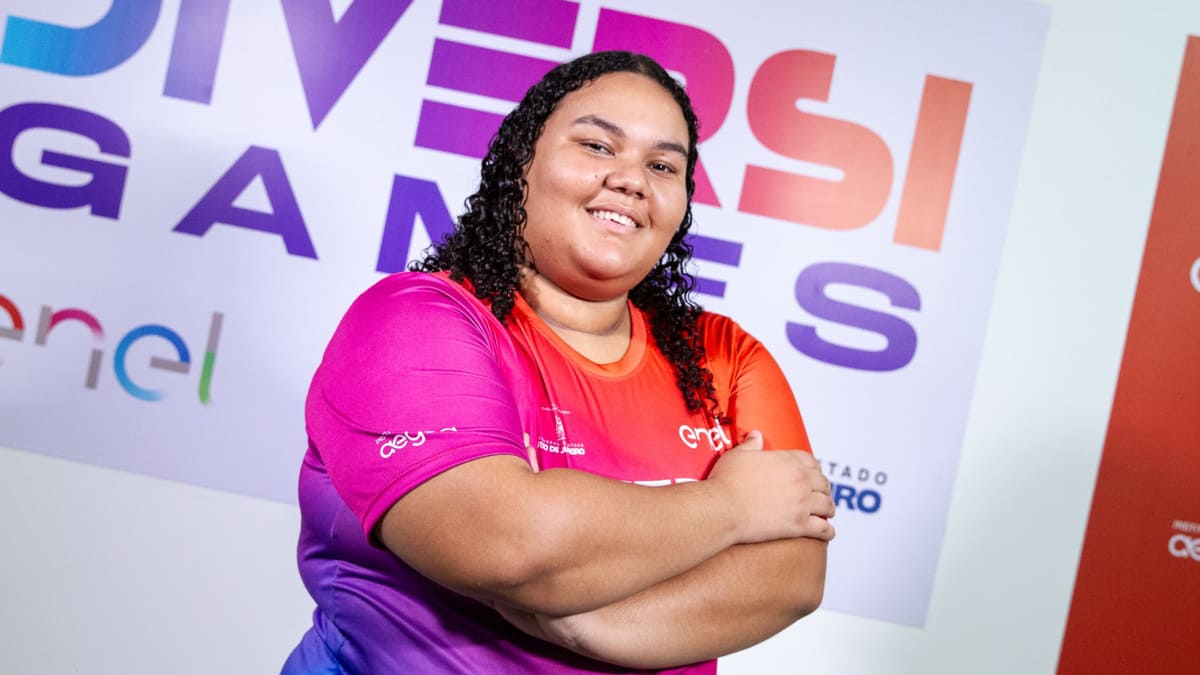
{"points": [[192, 192]]}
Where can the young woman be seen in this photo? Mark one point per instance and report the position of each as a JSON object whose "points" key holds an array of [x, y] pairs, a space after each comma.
{"points": [[522, 455]]}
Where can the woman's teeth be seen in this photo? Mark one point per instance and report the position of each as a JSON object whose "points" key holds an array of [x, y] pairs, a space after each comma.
{"points": [[615, 217]]}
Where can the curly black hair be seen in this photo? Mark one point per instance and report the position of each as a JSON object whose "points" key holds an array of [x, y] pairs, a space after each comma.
{"points": [[487, 245]]}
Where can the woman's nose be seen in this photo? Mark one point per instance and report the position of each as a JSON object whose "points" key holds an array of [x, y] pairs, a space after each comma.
{"points": [[627, 178]]}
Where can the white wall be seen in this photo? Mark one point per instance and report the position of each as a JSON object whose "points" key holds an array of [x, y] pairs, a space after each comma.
{"points": [[108, 572], [111, 572]]}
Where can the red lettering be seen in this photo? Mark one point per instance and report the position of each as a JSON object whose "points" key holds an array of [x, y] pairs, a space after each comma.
{"points": [[932, 163], [861, 155]]}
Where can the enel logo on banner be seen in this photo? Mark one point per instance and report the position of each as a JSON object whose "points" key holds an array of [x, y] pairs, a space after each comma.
{"points": [[50, 320]]}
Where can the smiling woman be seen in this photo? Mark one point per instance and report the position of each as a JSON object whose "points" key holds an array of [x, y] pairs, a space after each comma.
{"points": [[606, 191], [476, 495]]}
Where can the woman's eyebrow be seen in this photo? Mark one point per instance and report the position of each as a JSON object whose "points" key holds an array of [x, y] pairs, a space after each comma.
{"points": [[604, 124], [617, 131]]}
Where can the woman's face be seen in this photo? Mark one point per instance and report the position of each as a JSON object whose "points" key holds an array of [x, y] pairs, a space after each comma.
{"points": [[606, 188]]}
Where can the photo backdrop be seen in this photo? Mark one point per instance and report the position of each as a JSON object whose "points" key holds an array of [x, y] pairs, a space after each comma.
{"points": [[192, 192], [229, 176]]}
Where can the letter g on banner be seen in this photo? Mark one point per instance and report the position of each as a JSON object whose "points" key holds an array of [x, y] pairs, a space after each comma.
{"points": [[92, 49], [102, 193]]}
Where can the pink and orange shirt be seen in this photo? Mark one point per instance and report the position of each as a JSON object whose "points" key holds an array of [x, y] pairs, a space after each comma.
{"points": [[418, 378]]}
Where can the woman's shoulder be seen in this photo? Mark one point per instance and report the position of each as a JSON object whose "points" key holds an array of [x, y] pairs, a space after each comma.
{"points": [[404, 290], [409, 282], [714, 324], [416, 304], [403, 317], [724, 338]]}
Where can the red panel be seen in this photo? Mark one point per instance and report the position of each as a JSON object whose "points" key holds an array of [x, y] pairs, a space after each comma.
{"points": [[1136, 607]]}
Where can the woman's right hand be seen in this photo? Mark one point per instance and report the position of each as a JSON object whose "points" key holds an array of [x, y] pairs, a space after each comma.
{"points": [[782, 494]]}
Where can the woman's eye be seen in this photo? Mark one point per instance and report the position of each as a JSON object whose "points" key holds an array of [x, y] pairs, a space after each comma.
{"points": [[662, 167], [595, 146]]}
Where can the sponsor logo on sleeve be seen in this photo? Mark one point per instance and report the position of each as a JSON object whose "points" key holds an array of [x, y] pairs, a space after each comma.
{"points": [[389, 443]]}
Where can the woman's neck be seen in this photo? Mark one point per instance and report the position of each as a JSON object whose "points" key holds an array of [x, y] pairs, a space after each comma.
{"points": [[598, 329]]}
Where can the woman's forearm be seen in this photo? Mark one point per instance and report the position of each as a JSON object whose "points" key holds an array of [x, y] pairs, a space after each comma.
{"points": [[565, 542], [736, 599]]}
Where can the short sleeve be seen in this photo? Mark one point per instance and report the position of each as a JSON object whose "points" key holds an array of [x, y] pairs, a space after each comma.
{"points": [[418, 378], [752, 389]]}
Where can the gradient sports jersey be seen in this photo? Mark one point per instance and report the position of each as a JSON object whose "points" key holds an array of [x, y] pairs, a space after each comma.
{"points": [[419, 377], [627, 420]]}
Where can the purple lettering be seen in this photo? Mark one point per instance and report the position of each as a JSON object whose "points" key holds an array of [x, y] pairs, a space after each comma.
{"points": [[482, 71], [329, 53], [900, 336], [455, 129], [549, 22], [716, 250], [487, 72], [196, 50], [285, 220], [102, 193], [411, 197], [476, 70]]}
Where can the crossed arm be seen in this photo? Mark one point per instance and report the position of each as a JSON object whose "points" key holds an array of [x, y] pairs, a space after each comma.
{"points": [[639, 576], [731, 601], [742, 595]]}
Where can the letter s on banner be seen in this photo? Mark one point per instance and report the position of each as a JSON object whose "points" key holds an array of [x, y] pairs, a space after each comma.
{"points": [[900, 336], [861, 155]]}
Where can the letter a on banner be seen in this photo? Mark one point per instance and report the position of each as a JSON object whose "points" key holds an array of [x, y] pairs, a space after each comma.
{"points": [[1135, 608], [217, 205]]}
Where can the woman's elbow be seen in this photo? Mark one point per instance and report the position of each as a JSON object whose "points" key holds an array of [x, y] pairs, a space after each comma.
{"points": [[808, 598], [525, 572], [808, 591]]}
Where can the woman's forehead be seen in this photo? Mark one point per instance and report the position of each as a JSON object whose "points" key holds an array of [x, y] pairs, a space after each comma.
{"points": [[619, 99]]}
